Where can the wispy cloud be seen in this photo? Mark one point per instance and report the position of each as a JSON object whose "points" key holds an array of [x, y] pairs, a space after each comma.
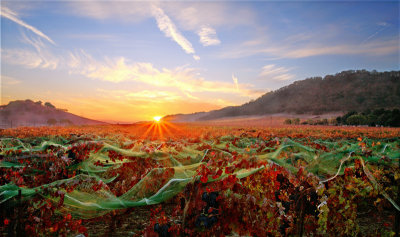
{"points": [[155, 96], [235, 82], [372, 48], [182, 78], [29, 58], [201, 18], [126, 11], [208, 36], [40, 57], [382, 47], [7, 80], [193, 15], [9, 14], [273, 72], [159, 97], [170, 30]]}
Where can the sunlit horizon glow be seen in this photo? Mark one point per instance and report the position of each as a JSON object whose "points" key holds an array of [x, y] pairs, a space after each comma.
{"points": [[124, 61], [157, 118]]}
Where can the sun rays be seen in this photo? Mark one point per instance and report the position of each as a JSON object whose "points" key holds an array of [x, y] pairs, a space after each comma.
{"points": [[158, 129]]}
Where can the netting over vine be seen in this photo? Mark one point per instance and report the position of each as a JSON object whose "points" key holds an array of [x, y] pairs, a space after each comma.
{"points": [[92, 176]]}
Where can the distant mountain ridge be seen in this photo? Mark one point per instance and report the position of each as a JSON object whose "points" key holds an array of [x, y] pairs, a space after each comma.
{"points": [[29, 113], [345, 91]]}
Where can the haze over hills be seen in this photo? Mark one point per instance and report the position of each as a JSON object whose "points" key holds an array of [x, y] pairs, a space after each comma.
{"points": [[346, 91], [334, 94], [29, 113]]}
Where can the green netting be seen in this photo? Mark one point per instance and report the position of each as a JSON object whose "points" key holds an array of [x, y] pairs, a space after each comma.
{"points": [[177, 163]]}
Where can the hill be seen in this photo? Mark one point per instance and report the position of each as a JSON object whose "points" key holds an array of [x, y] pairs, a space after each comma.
{"points": [[29, 113], [346, 91]]}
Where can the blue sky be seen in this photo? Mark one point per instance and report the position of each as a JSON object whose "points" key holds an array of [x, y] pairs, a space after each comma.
{"points": [[129, 60]]}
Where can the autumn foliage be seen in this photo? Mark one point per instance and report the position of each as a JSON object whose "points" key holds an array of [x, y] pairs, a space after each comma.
{"points": [[246, 181]]}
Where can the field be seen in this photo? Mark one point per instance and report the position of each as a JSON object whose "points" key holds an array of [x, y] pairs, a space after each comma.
{"points": [[163, 179]]}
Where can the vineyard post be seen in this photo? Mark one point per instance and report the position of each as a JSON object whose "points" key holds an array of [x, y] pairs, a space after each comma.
{"points": [[192, 196], [18, 224], [10, 227], [300, 225], [112, 225], [397, 219]]}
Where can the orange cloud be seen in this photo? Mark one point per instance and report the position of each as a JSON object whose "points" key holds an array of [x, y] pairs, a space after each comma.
{"points": [[182, 78]]}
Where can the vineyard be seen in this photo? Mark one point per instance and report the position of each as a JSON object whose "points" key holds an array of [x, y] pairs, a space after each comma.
{"points": [[161, 179]]}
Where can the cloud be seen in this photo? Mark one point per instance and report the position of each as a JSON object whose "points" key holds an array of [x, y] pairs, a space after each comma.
{"points": [[9, 14], [168, 27], [182, 78], [29, 58], [189, 15], [235, 82], [201, 18], [204, 18], [126, 11], [309, 49], [372, 48], [133, 12], [7, 80], [208, 36], [273, 72], [40, 57], [192, 15], [154, 96], [159, 97]]}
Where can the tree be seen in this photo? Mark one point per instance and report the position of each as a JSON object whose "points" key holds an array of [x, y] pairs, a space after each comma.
{"points": [[339, 120], [66, 122], [346, 116], [48, 104], [356, 119], [371, 119], [288, 121], [296, 121], [395, 118], [333, 121], [51, 121], [384, 118]]}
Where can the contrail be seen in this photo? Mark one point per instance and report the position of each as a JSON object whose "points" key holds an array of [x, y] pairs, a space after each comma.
{"points": [[7, 13], [374, 34]]}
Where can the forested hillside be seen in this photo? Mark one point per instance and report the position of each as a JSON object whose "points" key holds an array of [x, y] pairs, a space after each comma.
{"points": [[346, 91]]}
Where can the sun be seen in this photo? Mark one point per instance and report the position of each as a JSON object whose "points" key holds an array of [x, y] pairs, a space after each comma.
{"points": [[157, 118]]}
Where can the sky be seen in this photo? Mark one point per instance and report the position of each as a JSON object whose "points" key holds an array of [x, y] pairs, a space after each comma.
{"points": [[127, 61]]}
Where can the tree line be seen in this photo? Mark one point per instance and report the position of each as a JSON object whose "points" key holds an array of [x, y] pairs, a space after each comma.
{"points": [[377, 117]]}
